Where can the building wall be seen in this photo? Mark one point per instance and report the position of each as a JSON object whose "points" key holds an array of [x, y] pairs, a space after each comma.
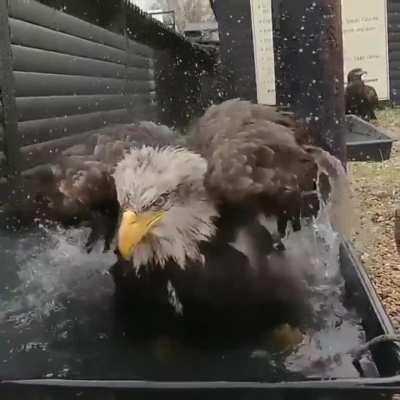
{"points": [[73, 69], [71, 77]]}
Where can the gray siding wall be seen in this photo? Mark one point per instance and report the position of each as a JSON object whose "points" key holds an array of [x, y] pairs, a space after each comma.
{"points": [[70, 78]]}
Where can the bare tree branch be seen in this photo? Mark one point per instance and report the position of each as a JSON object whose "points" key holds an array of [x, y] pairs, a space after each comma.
{"points": [[188, 10]]}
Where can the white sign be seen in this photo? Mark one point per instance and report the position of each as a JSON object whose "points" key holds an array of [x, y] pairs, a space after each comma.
{"points": [[365, 42], [261, 15]]}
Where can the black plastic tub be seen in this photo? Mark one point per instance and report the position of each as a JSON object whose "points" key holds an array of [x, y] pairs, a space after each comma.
{"points": [[381, 377], [366, 142]]}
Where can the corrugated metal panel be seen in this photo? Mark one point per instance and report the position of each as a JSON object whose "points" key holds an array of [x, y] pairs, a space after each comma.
{"points": [[30, 35], [35, 131], [38, 84], [53, 128], [1, 136], [1, 127], [394, 36], [395, 6], [135, 73], [394, 56], [395, 74], [394, 18], [45, 152], [394, 46], [73, 77], [59, 21], [2, 155], [38, 60], [31, 108], [11, 143], [40, 14], [2, 161]]}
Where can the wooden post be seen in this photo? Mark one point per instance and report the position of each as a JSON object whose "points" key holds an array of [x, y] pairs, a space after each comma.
{"points": [[237, 51], [7, 94], [310, 67]]}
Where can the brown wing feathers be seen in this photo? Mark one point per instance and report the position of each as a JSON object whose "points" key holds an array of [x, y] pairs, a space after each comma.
{"points": [[254, 151], [79, 186]]}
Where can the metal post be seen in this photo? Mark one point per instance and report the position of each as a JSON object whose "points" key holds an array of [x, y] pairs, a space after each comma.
{"points": [[7, 94]]}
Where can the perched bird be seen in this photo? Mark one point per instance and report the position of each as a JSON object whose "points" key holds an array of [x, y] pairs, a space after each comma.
{"points": [[361, 99]]}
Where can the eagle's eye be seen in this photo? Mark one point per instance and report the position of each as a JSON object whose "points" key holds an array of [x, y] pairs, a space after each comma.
{"points": [[161, 201]]}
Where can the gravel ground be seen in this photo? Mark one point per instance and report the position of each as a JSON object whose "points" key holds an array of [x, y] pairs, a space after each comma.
{"points": [[376, 186]]}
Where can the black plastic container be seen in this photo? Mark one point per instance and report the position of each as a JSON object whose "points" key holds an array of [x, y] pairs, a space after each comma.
{"points": [[366, 142], [359, 293]]}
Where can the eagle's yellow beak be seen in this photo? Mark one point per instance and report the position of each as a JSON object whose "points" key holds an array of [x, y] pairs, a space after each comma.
{"points": [[134, 227]]}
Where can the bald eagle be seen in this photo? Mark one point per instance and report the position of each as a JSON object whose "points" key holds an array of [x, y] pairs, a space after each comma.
{"points": [[361, 99], [199, 226], [196, 220]]}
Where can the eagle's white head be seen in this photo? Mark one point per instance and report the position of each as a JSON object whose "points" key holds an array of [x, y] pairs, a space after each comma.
{"points": [[166, 211]]}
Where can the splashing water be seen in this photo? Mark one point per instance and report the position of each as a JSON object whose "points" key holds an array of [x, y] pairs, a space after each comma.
{"points": [[341, 207], [55, 312], [339, 329], [52, 270], [335, 329]]}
